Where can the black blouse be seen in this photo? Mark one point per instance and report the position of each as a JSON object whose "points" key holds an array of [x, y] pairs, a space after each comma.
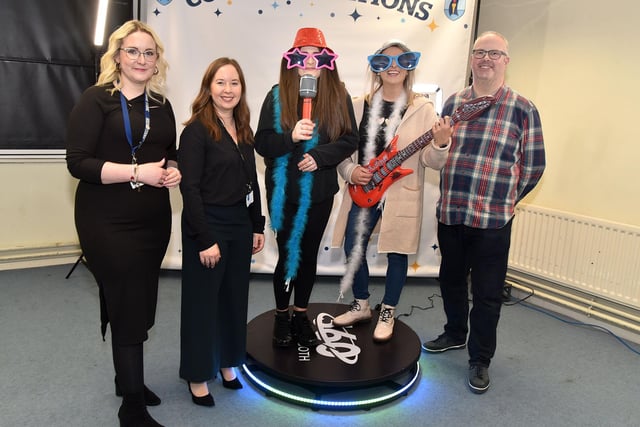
{"points": [[215, 173]]}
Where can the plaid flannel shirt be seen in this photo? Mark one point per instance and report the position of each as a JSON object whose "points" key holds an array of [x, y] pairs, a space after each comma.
{"points": [[494, 161]]}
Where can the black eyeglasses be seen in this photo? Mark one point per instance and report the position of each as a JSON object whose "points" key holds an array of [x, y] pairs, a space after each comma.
{"points": [[381, 62], [493, 54], [133, 53]]}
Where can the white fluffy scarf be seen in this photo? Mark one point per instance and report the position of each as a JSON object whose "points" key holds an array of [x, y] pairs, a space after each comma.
{"points": [[373, 126]]}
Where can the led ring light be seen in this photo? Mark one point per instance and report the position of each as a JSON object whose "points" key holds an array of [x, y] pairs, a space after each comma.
{"points": [[332, 404]]}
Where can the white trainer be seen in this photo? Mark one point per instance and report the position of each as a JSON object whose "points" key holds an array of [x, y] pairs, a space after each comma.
{"points": [[384, 328], [359, 311]]}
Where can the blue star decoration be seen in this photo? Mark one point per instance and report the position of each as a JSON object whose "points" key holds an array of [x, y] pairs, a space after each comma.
{"points": [[156, 12], [355, 15], [434, 247], [218, 13], [275, 5]]}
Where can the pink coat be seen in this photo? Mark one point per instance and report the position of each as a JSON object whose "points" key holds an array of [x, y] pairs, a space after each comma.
{"points": [[400, 223]]}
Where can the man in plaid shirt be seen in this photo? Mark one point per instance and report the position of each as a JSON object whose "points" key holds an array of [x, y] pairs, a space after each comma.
{"points": [[494, 161]]}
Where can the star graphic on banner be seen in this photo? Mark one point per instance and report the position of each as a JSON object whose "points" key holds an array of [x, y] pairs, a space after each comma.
{"points": [[415, 266], [434, 246], [218, 13], [355, 15], [156, 12], [433, 25], [275, 5]]}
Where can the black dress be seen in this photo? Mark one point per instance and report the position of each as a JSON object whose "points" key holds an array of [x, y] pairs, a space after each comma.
{"points": [[123, 232]]}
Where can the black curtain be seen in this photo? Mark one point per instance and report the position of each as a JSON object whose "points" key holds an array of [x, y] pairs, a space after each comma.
{"points": [[47, 59]]}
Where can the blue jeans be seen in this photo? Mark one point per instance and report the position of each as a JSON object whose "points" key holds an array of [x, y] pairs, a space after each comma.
{"points": [[483, 254], [397, 264]]}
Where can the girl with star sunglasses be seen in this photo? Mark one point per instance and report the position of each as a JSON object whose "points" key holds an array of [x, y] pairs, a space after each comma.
{"points": [[300, 156]]}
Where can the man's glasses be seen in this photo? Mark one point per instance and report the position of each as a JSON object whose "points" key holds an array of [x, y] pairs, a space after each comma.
{"points": [[493, 54], [381, 62], [133, 53], [323, 59]]}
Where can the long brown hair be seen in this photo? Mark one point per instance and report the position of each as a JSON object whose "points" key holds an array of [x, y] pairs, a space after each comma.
{"points": [[203, 110], [330, 107]]}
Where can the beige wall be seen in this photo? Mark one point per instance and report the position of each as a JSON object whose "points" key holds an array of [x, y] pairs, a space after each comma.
{"points": [[575, 59], [37, 214]]}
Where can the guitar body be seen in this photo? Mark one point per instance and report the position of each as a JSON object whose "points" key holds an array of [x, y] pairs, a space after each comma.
{"points": [[367, 196], [386, 167]]}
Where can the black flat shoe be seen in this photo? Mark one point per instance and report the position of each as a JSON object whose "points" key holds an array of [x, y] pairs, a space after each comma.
{"points": [[201, 400], [233, 384], [150, 398]]}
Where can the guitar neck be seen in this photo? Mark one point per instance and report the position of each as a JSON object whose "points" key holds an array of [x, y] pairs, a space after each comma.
{"points": [[412, 148], [466, 111]]}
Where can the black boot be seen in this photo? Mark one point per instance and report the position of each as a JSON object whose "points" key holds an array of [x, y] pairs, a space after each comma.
{"points": [[133, 412], [282, 329], [302, 331], [128, 362], [150, 398]]}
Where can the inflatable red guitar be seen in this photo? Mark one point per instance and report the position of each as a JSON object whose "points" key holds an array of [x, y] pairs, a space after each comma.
{"points": [[386, 167]]}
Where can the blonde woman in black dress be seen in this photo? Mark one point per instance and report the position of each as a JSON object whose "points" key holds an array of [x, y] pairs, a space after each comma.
{"points": [[121, 145]]}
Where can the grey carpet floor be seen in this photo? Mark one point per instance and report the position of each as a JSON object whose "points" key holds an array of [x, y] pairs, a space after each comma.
{"points": [[56, 371]]}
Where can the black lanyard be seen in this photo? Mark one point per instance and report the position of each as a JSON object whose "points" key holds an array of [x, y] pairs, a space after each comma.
{"points": [[127, 125]]}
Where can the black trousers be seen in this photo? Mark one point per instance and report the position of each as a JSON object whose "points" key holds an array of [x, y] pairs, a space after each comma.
{"points": [[303, 283], [484, 254], [213, 317]]}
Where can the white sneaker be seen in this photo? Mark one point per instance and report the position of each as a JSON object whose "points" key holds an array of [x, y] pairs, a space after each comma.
{"points": [[359, 311], [384, 328]]}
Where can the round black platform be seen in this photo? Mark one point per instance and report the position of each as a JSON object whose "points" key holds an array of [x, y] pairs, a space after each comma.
{"points": [[346, 360]]}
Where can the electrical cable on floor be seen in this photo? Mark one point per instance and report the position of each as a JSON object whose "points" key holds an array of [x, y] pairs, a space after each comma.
{"points": [[570, 322], [507, 298], [419, 308], [509, 301]]}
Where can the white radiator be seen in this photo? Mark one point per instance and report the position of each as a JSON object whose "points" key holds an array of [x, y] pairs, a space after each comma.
{"points": [[596, 257]]}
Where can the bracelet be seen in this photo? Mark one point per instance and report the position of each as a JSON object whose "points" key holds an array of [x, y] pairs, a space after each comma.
{"points": [[135, 174], [134, 171]]}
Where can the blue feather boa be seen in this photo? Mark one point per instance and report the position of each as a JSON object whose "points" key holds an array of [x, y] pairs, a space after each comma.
{"points": [[279, 197]]}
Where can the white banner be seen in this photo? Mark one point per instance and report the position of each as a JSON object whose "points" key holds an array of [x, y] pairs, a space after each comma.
{"points": [[257, 32]]}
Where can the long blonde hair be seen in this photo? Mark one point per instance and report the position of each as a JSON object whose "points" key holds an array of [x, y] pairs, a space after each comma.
{"points": [[375, 81], [109, 70]]}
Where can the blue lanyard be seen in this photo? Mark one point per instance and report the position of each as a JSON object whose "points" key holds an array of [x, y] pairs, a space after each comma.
{"points": [[127, 124]]}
